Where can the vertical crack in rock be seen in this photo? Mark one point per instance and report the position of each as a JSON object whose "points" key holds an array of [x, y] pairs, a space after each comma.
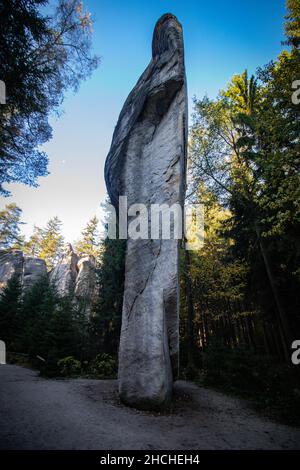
{"points": [[146, 163], [156, 255]]}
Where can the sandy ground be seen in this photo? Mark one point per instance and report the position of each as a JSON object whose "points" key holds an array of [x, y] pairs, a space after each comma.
{"points": [[36, 413]]}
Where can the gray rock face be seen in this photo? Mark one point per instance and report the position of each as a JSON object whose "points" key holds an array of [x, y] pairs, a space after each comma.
{"points": [[75, 275], [33, 270], [72, 276], [11, 264], [146, 163], [28, 269], [85, 288], [64, 274]]}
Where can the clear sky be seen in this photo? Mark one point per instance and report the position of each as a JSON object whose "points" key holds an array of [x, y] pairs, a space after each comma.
{"points": [[222, 37]]}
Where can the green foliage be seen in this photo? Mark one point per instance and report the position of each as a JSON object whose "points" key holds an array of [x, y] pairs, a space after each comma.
{"points": [[10, 312], [38, 307], [10, 220], [41, 325], [245, 151], [47, 327], [46, 243], [244, 162], [69, 367], [292, 26], [106, 321], [274, 388], [44, 52], [53, 333], [52, 242], [236, 369], [103, 367], [32, 247], [89, 244]]}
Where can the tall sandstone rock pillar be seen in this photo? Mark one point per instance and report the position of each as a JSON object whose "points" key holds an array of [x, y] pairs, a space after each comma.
{"points": [[146, 163]]}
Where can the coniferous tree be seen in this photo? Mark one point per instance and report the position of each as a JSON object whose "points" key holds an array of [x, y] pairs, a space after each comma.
{"points": [[46, 243], [10, 312], [62, 334], [292, 26], [52, 242], [90, 240], [10, 221], [32, 247], [39, 304], [106, 322], [245, 149]]}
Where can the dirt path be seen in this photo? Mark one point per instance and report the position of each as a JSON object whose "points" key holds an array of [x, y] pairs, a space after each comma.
{"points": [[85, 414]]}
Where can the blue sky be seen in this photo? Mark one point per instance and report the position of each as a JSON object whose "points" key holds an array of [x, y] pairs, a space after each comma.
{"points": [[221, 38]]}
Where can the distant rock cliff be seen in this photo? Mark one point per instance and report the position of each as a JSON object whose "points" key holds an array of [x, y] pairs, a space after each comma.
{"points": [[64, 274], [28, 269], [73, 275], [86, 281]]}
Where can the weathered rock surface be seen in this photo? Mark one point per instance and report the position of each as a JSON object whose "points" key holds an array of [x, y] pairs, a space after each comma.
{"points": [[28, 269], [75, 275], [11, 264], [33, 270], [85, 287], [64, 274], [146, 163], [71, 276]]}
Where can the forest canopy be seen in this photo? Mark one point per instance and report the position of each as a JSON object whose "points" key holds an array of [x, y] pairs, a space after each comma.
{"points": [[45, 49]]}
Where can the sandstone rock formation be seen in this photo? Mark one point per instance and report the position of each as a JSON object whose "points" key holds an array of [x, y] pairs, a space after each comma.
{"points": [[72, 276], [146, 163], [33, 270], [75, 275], [28, 269], [11, 264], [85, 287], [64, 274]]}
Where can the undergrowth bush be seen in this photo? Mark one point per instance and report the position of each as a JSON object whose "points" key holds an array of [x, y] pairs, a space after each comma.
{"points": [[69, 367], [103, 366], [274, 387]]}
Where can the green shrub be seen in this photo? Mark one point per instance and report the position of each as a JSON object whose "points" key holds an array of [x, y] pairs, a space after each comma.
{"points": [[69, 367], [103, 367]]}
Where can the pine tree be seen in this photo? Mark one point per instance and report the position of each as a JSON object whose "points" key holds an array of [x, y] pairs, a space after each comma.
{"points": [[10, 308], [89, 243], [32, 247], [38, 307], [108, 310], [245, 149], [292, 26], [50, 242], [49, 327], [62, 332], [10, 221]]}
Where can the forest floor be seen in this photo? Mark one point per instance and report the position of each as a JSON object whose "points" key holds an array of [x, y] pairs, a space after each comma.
{"points": [[38, 413]]}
